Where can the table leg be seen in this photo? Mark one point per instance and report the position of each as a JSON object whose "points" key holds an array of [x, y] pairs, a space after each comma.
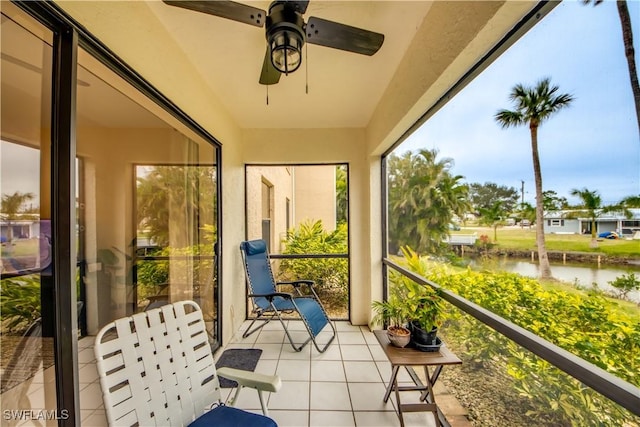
{"points": [[392, 381], [396, 388], [429, 397], [434, 378]]}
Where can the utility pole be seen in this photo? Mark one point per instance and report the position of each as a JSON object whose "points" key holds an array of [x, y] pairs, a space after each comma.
{"points": [[522, 191]]}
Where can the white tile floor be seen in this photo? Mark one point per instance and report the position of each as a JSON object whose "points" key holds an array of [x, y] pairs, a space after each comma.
{"points": [[343, 386]]}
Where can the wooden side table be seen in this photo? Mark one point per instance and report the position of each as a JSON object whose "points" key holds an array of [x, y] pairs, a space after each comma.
{"points": [[409, 357]]}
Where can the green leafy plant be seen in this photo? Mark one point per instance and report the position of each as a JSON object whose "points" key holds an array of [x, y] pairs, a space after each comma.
{"points": [[625, 284], [331, 275], [19, 303], [152, 273], [391, 312], [422, 304], [586, 325]]}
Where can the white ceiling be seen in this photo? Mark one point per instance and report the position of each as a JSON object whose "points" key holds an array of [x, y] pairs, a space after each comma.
{"points": [[384, 93], [344, 87]]}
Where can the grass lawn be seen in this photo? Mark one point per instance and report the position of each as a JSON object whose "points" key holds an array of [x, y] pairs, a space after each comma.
{"points": [[525, 239], [626, 308], [22, 247]]}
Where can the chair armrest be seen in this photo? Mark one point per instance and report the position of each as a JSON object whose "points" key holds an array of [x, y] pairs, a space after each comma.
{"points": [[251, 379], [270, 297], [310, 290], [297, 283]]}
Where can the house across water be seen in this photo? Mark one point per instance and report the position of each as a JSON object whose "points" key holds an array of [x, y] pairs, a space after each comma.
{"points": [[575, 222]]}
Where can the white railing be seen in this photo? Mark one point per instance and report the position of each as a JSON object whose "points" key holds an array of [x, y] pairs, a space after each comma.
{"points": [[461, 239]]}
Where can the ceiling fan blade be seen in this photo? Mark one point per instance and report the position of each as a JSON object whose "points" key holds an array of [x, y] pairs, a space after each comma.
{"points": [[224, 9], [344, 37], [269, 75]]}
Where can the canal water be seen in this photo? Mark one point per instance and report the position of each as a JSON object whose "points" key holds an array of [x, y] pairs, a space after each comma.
{"points": [[581, 275]]}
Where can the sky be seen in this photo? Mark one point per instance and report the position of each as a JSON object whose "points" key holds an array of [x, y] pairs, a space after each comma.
{"points": [[593, 144]]}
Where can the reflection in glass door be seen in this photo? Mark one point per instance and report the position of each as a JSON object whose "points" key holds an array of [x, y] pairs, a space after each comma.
{"points": [[176, 237], [26, 282], [147, 211]]}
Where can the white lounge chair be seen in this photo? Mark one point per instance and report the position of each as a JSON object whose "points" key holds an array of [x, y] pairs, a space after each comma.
{"points": [[156, 369]]}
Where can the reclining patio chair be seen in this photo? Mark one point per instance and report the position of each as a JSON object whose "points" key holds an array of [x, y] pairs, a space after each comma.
{"points": [[156, 369], [268, 302]]}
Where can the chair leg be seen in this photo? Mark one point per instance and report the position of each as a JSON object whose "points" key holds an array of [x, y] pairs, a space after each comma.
{"points": [[234, 399], [286, 331], [323, 349], [265, 411], [250, 331]]}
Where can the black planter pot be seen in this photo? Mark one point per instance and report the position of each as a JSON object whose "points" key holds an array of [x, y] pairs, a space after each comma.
{"points": [[422, 337]]}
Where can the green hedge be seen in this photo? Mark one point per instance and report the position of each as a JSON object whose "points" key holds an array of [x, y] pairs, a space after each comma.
{"points": [[586, 325]]}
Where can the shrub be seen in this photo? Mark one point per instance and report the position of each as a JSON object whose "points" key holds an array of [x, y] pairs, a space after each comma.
{"points": [[585, 325], [19, 303], [625, 284], [331, 275]]}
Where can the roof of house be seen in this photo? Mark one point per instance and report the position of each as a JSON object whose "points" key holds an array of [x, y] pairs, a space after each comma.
{"points": [[606, 216]]}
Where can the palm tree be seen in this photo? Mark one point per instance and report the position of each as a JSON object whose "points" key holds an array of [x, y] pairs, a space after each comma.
{"points": [[591, 203], [423, 197], [493, 216], [11, 206], [533, 106], [176, 200], [631, 202], [629, 52], [342, 201]]}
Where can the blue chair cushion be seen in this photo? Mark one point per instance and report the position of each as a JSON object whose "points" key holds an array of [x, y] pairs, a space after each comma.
{"points": [[226, 416], [253, 247]]}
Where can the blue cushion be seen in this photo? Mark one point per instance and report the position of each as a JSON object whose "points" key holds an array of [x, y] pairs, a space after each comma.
{"points": [[253, 247], [226, 416]]}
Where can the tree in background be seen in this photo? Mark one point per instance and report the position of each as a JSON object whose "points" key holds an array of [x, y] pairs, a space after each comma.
{"points": [[494, 216], [631, 202], [11, 208], [176, 199], [484, 196], [534, 105], [552, 202], [423, 199], [527, 211], [629, 52], [342, 194]]}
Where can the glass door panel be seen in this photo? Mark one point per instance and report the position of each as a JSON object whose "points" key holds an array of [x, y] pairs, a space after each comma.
{"points": [[27, 389], [147, 191]]}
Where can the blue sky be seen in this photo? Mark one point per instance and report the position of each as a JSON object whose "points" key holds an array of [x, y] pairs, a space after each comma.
{"points": [[594, 143]]}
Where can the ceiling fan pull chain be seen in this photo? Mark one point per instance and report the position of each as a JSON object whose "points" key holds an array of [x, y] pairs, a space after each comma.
{"points": [[306, 68], [267, 86]]}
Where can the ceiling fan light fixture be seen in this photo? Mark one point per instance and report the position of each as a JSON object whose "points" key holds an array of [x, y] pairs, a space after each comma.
{"points": [[286, 50]]}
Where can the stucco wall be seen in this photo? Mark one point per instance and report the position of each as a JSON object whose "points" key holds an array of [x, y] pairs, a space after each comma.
{"points": [[330, 146]]}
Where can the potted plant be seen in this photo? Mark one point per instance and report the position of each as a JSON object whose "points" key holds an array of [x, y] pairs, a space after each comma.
{"points": [[422, 303], [392, 313], [425, 306]]}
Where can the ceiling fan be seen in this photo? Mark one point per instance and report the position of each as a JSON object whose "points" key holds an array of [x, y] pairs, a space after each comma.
{"points": [[286, 32]]}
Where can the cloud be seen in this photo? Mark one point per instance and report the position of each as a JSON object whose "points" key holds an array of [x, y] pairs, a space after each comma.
{"points": [[594, 143]]}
